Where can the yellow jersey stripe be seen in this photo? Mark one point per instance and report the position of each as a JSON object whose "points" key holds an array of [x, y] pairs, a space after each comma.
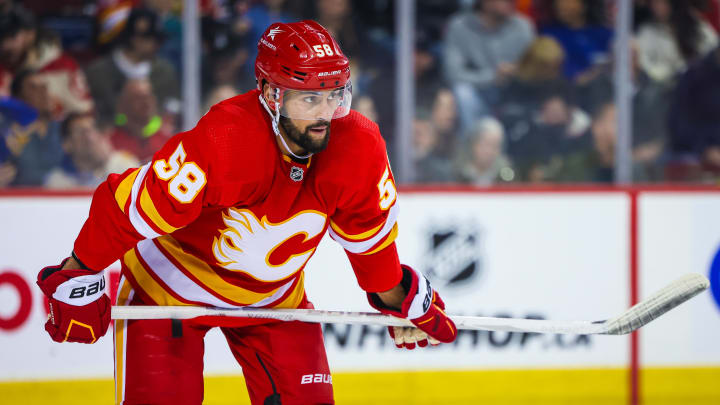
{"points": [[289, 160], [363, 246], [123, 298], [390, 239], [358, 236], [122, 193], [123, 293], [293, 300], [151, 212], [151, 287], [207, 276], [119, 357]]}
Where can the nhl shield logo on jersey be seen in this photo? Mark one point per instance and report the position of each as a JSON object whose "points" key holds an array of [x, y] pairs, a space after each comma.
{"points": [[453, 254], [296, 173]]}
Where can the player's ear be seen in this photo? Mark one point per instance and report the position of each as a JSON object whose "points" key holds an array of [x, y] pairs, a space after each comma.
{"points": [[268, 96]]}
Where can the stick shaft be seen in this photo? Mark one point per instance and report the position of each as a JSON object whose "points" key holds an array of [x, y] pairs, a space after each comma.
{"points": [[321, 316], [639, 315]]}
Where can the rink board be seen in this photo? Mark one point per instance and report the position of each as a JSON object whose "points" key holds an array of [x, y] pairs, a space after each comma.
{"points": [[527, 253]]}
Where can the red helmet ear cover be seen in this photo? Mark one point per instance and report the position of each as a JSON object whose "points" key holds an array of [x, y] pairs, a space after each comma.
{"points": [[302, 56]]}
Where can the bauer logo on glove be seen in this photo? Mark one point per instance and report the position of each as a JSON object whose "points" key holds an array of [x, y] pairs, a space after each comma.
{"points": [[80, 290], [424, 308], [79, 307]]}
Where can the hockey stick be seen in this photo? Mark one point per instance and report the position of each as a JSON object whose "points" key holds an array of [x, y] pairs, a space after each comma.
{"points": [[639, 315]]}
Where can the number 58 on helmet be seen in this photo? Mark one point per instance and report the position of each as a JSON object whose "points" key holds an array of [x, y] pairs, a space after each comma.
{"points": [[305, 67]]}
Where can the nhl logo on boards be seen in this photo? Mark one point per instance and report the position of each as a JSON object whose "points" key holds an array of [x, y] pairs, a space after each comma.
{"points": [[296, 173], [453, 255]]}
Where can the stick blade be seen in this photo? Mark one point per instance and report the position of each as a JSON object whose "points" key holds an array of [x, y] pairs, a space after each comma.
{"points": [[657, 304]]}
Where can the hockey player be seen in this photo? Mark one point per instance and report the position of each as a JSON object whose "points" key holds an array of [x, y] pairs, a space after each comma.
{"points": [[227, 215]]}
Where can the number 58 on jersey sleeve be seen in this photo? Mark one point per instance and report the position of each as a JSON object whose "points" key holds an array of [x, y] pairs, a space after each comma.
{"points": [[144, 203]]}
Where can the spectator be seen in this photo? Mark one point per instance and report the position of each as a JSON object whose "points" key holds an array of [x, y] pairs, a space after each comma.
{"points": [[444, 119], [597, 164], [218, 94], [6, 6], [366, 106], [23, 45], [430, 165], [89, 156], [674, 37], [541, 62], [260, 16], [481, 51], [538, 77], [577, 26], [481, 161], [171, 26], [14, 110], [227, 55], [135, 57], [694, 121], [428, 77], [336, 16], [541, 141], [139, 130], [30, 151], [8, 172], [651, 99], [381, 88]]}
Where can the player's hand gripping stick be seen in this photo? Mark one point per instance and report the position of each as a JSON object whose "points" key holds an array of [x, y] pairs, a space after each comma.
{"points": [[79, 307], [424, 308]]}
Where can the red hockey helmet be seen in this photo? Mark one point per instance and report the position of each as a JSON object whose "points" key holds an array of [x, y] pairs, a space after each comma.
{"points": [[304, 57]]}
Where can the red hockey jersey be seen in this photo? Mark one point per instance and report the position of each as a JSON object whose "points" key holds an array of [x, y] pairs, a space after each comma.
{"points": [[220, 217]]}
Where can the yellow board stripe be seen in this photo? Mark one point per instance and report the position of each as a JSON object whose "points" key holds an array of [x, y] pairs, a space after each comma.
{"points": [[358, 236], [662, 386], [149, 208], [151, 287], [388, 240], [203, 272], [122, 193]]}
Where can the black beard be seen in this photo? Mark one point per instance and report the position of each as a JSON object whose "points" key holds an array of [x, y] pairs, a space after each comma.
{"points": [[303, 139]]}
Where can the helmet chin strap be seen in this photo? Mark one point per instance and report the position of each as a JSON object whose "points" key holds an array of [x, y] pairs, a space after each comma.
{"points": [[275, 118]]}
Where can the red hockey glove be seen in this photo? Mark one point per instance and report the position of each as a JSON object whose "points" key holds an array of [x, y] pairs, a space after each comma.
{"points": [[424, 308], [79, 307]]}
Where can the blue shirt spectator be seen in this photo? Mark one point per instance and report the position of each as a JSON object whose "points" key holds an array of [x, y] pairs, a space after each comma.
{"points": [[584, 47], [481, 52], [586, 42], [30, 148], [261, 16]]}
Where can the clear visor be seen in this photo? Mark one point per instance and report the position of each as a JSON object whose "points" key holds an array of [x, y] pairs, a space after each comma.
{"points": [[314, 105]]}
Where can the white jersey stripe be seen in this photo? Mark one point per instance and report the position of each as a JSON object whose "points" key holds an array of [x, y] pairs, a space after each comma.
{"points": [[186, 288], [136, 220], [364, 246]]}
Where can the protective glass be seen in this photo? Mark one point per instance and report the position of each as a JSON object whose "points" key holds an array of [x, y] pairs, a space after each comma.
{"points": [[313, 105]]}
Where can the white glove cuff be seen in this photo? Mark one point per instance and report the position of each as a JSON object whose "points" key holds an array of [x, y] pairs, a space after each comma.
{"points": [[422, 300], [81, 290]]}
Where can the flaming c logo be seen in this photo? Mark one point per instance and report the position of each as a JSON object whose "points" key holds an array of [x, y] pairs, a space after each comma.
{"points": [[247, 242]]}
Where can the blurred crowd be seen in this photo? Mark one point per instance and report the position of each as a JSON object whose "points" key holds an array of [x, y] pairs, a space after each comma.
{"points": [[506, 90]]}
